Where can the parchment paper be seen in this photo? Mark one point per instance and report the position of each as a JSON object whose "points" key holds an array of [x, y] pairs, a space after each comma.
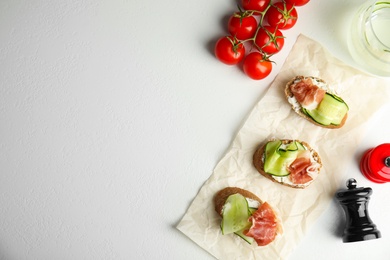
{"points": [[271, 117]]}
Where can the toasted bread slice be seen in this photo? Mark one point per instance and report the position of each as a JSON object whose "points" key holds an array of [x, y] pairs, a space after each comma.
{"points": [[297, 107], [264, 227], [259, 159], [222, 195]]}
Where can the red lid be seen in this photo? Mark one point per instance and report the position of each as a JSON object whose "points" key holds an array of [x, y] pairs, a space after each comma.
{"points": [[379, 162]]}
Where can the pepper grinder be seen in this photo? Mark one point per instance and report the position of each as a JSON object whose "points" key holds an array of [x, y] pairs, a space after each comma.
{"points": [[375, 163], [354, 201]]}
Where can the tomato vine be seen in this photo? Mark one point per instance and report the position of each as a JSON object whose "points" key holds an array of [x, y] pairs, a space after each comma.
{"points": [[257, 24]]}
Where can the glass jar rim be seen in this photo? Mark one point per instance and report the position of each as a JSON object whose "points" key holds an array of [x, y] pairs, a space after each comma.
{"points": [[372, 11]]}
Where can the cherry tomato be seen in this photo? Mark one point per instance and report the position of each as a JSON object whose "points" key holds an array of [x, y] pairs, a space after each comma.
{"points": [[256, 66], [242, 26], [229, 50], [297, 2], [269, 39], [256, 5], [282, 15]]}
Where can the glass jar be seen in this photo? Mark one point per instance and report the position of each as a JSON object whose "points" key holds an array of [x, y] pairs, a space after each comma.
{"points": [[369, 41]]}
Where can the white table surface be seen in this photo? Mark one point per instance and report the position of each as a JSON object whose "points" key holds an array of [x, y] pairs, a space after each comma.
{"points": [[114, 113]]}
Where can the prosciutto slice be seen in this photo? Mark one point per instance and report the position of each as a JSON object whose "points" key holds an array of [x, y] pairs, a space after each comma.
{"points": [[264, 225], [298, 169], [307, 94]]}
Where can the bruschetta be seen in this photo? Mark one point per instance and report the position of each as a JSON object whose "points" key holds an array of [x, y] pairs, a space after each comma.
{"points": [[312, 99], [247, 216], [288, 162]]}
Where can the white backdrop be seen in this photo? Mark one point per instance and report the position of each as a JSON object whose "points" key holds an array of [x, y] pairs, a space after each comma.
{"points": [[114, 113]]}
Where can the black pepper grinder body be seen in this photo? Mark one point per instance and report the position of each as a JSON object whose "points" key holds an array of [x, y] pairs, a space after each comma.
{"points": [[354, 201]]}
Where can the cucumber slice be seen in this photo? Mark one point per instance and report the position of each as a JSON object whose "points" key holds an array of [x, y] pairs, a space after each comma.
{"points": [[277, 159], [319, 118], [331, 110], [287, 153], [279, 167], [240, 233], [338, 99], [252, 210], [271, 148], [271, 161], [271, 154], [292, 146], [300, 146], [235, 214]]}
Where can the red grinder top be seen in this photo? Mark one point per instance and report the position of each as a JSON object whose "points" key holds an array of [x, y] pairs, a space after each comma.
{"points": [[380, 160], [377, 163]]}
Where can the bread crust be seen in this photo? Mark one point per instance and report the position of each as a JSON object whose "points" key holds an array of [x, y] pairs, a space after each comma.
{"points": [[259, 163], [289, 94], [221, 197]]}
